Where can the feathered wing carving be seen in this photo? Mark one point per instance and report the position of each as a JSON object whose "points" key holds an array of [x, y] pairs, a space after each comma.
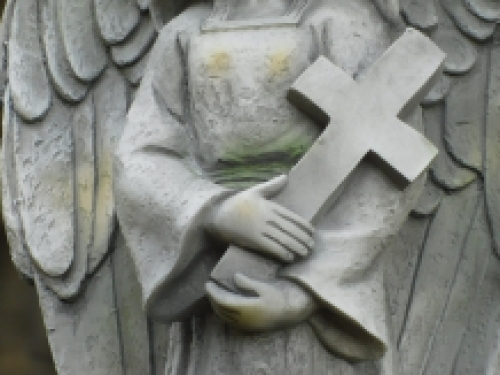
{"points": [[69, 71], [63, 125], [446, 314]]}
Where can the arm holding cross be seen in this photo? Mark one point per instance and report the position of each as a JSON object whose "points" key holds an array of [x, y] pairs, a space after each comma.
{"points": [[163, 207], [364, 127], [339, 286]]}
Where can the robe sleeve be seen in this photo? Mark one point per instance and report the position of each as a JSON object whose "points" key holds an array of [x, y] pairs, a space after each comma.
{"points": [[161, 200]]}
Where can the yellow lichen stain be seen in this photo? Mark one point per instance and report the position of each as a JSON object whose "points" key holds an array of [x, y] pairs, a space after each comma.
{"points": [[218, 63], [279, 62], [85, 177], [249, 319], [246, 209], [103, 219]]}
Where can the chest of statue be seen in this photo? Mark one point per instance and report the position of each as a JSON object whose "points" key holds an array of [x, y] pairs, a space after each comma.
{"points": [[238, 81]]}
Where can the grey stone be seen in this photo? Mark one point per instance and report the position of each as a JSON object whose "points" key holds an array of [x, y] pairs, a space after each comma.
{"points": [[142, 138]]}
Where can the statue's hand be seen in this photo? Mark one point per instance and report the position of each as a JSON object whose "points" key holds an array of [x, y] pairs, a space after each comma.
{"points": [[278, 304], [248, 219]]}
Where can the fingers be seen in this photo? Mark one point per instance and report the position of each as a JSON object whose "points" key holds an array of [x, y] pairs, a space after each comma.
{"points": [[226, 299], [257, 223], [249, 313], [289, 234], [275, 248], [293, 218], [300, 242], [289, 243], [247, 284], [272, 187], [229, 305]]}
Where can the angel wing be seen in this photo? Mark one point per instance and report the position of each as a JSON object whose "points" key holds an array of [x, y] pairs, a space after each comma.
{"points": [[443, 271], [70, 70]]}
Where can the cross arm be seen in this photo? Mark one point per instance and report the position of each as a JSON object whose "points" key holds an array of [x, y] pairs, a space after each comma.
{"points": [[402, 149], [313, 91], [405, 73]]}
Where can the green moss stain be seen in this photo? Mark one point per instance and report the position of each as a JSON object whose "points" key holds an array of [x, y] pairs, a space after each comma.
{"points": [[240, 169]]}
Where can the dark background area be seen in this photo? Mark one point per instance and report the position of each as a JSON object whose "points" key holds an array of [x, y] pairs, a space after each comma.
{"points": [[23, 345]]}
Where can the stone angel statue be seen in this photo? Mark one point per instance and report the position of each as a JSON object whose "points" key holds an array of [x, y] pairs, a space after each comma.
{"points": [[142, 138]]}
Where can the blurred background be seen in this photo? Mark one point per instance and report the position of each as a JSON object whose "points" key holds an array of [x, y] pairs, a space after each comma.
{"points": [[23, 345]]}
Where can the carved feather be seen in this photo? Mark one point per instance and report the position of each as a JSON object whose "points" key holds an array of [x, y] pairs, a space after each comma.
{"points": [[63, 79], [84, 138], [110, 110], [116, 19], [461, 54], [465, 116], [138, 44], [444, 171], [44, 166], [82, 133], [5, 31], [429, 201], [439, 92], [84, 48], [420, 14], [473, 26], [486, 9], [135, 72], [10, 199], [390, 10], [29, 84]]}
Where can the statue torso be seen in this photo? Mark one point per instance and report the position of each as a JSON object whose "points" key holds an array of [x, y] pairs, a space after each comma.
{"points": [[246, 130], [238, 83]]}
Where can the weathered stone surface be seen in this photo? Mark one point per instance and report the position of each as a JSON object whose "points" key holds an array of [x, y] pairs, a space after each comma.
{"points": [[186, 142]]}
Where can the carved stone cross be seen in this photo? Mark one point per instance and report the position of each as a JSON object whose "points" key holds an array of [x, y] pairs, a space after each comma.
{"points": [[362, 119]]}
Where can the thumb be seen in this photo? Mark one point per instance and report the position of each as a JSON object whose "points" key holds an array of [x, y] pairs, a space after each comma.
{"points": [[251, 286], [272, 187]]}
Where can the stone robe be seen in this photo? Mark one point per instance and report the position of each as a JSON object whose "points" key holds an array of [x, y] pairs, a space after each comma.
{"points": [[210, 118]]}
